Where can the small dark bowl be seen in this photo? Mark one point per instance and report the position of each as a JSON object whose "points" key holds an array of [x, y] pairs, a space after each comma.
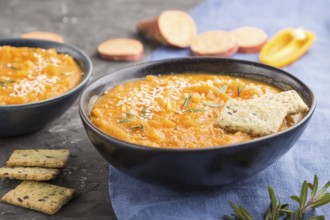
{"points": [[210, 166], [30, 117]]}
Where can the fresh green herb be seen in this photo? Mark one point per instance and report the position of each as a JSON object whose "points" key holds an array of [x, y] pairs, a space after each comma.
{"points": [[131, 114], [223, 89], [239, 90], [193, 110], [213, 105], [278, 211], [6, 82], [124, 120], [137, 127], [316, 199], [144, 113], [239, 213], [12, 67], [187, 101]]}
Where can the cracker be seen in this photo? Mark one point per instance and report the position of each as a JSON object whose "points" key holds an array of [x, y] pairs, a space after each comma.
{"points": [[39, 196], [260, 116], [39, 158], [28, 173], [288, 99]]}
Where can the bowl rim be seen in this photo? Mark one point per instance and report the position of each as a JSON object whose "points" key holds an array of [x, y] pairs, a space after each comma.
{"points": [[88, 73], [244, 144]]}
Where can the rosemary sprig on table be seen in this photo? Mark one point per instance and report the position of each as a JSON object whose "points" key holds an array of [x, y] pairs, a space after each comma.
{"points": [[278, 211]]}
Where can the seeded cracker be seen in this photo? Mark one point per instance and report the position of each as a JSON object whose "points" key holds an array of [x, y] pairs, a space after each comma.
{"points": [[39, 158], [260, 116], [28, 173], [39, 196]]}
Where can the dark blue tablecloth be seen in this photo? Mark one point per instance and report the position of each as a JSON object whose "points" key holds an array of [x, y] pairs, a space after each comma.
{"points": [[133, 199]]}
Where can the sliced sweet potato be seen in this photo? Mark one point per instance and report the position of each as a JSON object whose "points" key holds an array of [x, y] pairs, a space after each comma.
{"points": [[249, 39], [121, 49], [43, 36], [174, 28], [214, 43]]}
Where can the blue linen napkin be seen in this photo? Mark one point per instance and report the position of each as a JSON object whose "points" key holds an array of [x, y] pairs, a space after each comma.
{"points": [[133, 199]]}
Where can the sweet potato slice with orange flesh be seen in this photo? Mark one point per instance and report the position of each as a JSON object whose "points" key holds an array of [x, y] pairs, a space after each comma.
{"points": [[174, 28], [38, 35], [214, 43], [249, 39], [121, 49]]}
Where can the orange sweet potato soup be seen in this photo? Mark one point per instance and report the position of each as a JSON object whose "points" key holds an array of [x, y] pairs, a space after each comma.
{"points": [[174, 111], [34, 74]]}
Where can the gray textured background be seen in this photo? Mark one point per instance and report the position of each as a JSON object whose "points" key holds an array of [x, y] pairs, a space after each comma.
{"points": [[85, 24]]}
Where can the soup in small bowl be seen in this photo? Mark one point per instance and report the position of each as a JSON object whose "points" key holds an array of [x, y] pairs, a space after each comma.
{"points": [[39, 81], [195, 121]]}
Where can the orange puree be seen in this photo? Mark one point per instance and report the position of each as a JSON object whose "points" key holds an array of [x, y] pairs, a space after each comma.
{"points": [[34, 74], [173, 111]]}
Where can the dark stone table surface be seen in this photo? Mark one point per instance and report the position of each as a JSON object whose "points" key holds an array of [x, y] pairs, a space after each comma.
{"points": [[85, 24]]}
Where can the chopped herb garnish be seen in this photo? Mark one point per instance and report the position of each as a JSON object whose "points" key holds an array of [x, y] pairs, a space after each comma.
{"points": [[124, 120], [144, 113], [239, 90], [137, 127], [223, 89], [213, 105], [6, 82], [187, 101], [131, 114], [193, 110], [13, 67]]}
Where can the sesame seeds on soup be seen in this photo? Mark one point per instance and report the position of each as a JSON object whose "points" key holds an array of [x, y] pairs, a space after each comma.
{"points": [[175, 111], [34, 74]]}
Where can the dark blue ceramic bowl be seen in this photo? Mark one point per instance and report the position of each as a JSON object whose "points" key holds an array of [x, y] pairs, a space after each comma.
{"points": [[26, 118], [210, 166]]}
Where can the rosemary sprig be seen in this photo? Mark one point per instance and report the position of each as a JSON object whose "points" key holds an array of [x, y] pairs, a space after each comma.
{"points": [[278, 211], [316, 199], [213, 105], [240, 213], [187, 101], [223, 89], [193, 110]]}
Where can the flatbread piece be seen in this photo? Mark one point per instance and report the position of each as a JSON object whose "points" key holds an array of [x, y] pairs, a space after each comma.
{"points": [[260, 116], [28, 173], [39, 196], [39, 158]]}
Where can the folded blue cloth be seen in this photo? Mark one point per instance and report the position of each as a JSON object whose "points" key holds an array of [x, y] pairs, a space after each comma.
{"points": [[133, 199]]}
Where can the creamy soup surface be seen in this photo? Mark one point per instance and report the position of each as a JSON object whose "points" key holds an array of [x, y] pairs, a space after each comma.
{"points": [[175, 111], [35, 74]]}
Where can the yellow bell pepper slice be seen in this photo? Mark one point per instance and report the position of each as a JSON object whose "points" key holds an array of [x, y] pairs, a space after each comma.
{"points": [[286, 46]]}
